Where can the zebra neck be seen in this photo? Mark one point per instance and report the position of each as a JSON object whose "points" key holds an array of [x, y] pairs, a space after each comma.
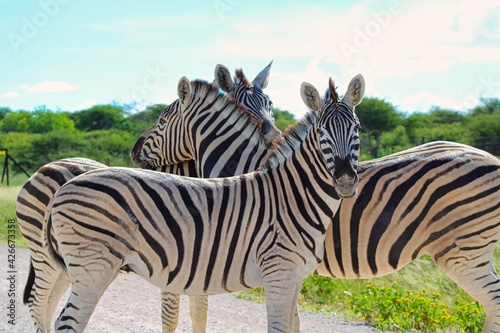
{"points": [[303, 180], [232, 148]]}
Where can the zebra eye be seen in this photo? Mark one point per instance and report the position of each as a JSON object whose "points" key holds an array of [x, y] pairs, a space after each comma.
{"points": [[162, 121], [357, 127], [321, 131]]}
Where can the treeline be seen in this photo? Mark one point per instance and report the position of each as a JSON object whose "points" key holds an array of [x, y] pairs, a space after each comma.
{"points": [[106, 133], [385, 130]]}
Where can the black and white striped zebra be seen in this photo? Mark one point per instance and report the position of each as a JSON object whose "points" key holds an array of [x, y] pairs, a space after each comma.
{"points": [[399, 216], [37, 192], [204, 236], [440, 199], [250, 96], [231, 149]]}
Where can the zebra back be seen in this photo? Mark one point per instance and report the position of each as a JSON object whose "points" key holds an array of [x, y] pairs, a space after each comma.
{"points": [[39, 189], [441, 199]]}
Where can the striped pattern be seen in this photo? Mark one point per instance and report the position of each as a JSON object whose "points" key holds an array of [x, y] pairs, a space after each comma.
{"points": [[440, 199], [250, 96], [31, 206], [219, 137], [32, 203], [401, 213], [263, 228]]}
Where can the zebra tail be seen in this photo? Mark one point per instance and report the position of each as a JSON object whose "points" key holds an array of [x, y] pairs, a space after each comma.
{"points": [[29, 284]]}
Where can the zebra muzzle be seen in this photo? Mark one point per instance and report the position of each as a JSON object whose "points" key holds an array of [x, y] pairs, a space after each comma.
{"points": [[346, 186]]}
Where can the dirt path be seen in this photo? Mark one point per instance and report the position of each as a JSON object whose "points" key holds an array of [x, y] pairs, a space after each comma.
{"points": [[132, 305]]}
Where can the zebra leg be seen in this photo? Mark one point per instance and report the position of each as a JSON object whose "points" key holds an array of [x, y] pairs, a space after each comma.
{"points": [[281, 305], [476, 275], [46, 276], [198, 307], [296, 320], [58, 290], [85, 294], [169, 311]]}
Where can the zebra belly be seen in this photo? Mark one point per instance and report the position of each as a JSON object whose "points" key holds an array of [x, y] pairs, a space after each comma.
{"points": [[201, 282]]}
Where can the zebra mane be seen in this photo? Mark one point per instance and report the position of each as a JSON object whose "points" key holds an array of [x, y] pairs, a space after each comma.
{"points": [[284, 146], [235, 113], [240, 76], [331, 92]]}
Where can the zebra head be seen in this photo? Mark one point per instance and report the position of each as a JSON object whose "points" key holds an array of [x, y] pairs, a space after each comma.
{"points": [[337, 130], [152, 151], [251, 97]]}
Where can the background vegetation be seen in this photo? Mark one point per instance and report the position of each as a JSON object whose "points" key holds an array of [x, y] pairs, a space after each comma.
{"points": [[106, 133], [419, 297]]}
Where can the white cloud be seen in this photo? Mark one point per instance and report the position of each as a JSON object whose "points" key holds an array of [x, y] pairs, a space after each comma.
{"points": [[10, 94], [414, 39], [24, 86], [425, 100], [52, 86]]}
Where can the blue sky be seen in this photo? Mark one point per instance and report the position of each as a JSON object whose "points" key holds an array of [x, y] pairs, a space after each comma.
{"points": [[70, 55]]}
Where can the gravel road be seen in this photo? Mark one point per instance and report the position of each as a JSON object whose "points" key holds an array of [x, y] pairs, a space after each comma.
{"points": [[132, 305]]}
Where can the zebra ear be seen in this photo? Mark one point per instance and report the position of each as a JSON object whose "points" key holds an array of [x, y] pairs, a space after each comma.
{"points": [[262, 79], [310, 96], [184, 90], [355, 90], [223, 78]]}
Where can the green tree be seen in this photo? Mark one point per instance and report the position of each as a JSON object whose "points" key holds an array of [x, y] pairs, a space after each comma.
{"points": [[283, 118], [487, 106], [4, 111], [377, 116], [99, 117], [449, 132], [485, 132], [58, 144], [445, 116], [394, 141], [19, 145], [19, 121], [413, 123], [37, 121], [44, 121], [138, 122]]}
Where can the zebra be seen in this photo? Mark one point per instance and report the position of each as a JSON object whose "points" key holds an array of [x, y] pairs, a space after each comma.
{"points": [[250, 96], [244, 155], [203, 236], [37, 192], [385, 227], [225, 151], [439, 199], [31, 205]]}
